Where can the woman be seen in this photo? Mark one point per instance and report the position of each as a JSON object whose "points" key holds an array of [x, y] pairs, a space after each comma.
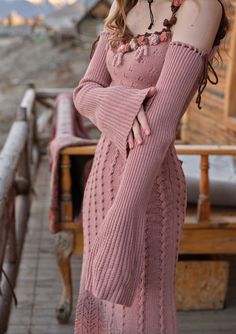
{"points": [[135, 90]]}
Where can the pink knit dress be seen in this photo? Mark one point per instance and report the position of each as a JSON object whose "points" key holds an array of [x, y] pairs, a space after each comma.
{"points": [[135, 200]]}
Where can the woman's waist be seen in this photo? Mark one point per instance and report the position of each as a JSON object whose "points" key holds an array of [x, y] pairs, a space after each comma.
{"points": [[172, 153]]}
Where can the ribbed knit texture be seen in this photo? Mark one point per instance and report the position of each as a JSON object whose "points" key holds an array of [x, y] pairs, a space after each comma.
{"points": [[95, 100], [134, 201], [115, 259]]}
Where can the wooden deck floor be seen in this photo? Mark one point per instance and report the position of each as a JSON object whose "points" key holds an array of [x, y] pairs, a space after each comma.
{"points": [[38, 288]]}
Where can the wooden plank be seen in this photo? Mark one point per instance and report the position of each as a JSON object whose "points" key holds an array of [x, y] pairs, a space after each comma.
{"points": [[208, 241], [9, 160], [79, 244], [79, 150], [214, 238], [201, 285], [181, 149], [206, 149], [11, 153], [70, 226], [27, 102], [214, 222], [11, 268], [220, 221]]}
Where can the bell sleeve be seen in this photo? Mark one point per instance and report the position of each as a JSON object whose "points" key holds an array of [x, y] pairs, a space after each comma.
{"points": [[114, 264], [112, 109]]}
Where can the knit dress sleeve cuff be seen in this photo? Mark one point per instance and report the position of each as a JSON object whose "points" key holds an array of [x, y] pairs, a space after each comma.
{"points": [[111, 108], [116, 114]]}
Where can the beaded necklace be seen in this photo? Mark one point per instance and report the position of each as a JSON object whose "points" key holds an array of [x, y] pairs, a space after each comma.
{"points": [[140, 42]]}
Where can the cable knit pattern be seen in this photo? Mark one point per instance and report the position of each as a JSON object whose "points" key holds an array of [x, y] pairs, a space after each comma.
{"points": [[135, 200]]}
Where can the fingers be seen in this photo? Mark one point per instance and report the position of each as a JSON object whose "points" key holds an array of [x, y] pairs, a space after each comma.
{"points": [[130, 140], [140, 122], [152, 91], [142, 118], [137, 132]]}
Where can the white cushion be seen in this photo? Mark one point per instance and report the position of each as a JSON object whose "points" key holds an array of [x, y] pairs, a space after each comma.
{"points": [[222, 178]]}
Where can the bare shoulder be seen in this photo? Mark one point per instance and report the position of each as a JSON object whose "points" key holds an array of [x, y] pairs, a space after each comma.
{"points": [[197, 23]]}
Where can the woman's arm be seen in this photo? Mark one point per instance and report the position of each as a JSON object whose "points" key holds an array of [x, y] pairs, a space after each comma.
{"points": [[112, 109], [116, 256]]}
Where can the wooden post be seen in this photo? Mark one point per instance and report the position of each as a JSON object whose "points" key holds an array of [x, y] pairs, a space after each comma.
{"points": [[184, 129], [230, 96], [28, 107], [66, 199], [21, 114], [203, 211]]}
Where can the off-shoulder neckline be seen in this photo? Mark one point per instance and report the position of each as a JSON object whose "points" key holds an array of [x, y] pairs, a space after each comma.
{"points": [[180, 43], [175, 5]]}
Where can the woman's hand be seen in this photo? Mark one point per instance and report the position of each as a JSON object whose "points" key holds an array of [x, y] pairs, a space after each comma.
{"points": [[140, 120]]}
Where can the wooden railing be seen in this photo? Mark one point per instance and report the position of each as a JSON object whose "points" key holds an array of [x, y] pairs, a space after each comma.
{"points": [[204, 206], [204, 151], [18, 163]]}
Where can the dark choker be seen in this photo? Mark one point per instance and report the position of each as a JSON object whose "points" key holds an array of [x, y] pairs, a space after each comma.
{"points": [[151, 14]]}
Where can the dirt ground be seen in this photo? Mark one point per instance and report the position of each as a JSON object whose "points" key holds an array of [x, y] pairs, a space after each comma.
{"points": [[25, 60]]}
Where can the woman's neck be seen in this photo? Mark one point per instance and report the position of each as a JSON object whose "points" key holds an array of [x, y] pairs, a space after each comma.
{"points": [[138, 19]]}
